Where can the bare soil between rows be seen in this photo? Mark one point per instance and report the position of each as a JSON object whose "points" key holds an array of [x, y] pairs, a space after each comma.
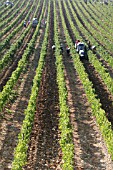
{"points": [[44, 150], [90, 152], [13, 114], [90, 148], [7, 71], [98, 84]]}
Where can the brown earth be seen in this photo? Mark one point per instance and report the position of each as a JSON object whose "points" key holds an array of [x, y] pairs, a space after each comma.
{"points": [[12, 116], [90, 151], [90, 148], [44, 149]]}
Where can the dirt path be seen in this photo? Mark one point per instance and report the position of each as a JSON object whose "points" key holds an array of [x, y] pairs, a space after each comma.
{"points": [[104, 63], [44, 150], [98, 84], [91, 33], [90, 150], [12, 117], [16, 24], [12, 65], [7, 71]]}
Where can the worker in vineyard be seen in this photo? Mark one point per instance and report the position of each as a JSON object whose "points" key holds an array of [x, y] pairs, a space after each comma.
{"points": [[25, 24], [53, 47], [76, 42], [28, 22], [43, 23], [61, 47], [91, 47], [68, 49]]}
